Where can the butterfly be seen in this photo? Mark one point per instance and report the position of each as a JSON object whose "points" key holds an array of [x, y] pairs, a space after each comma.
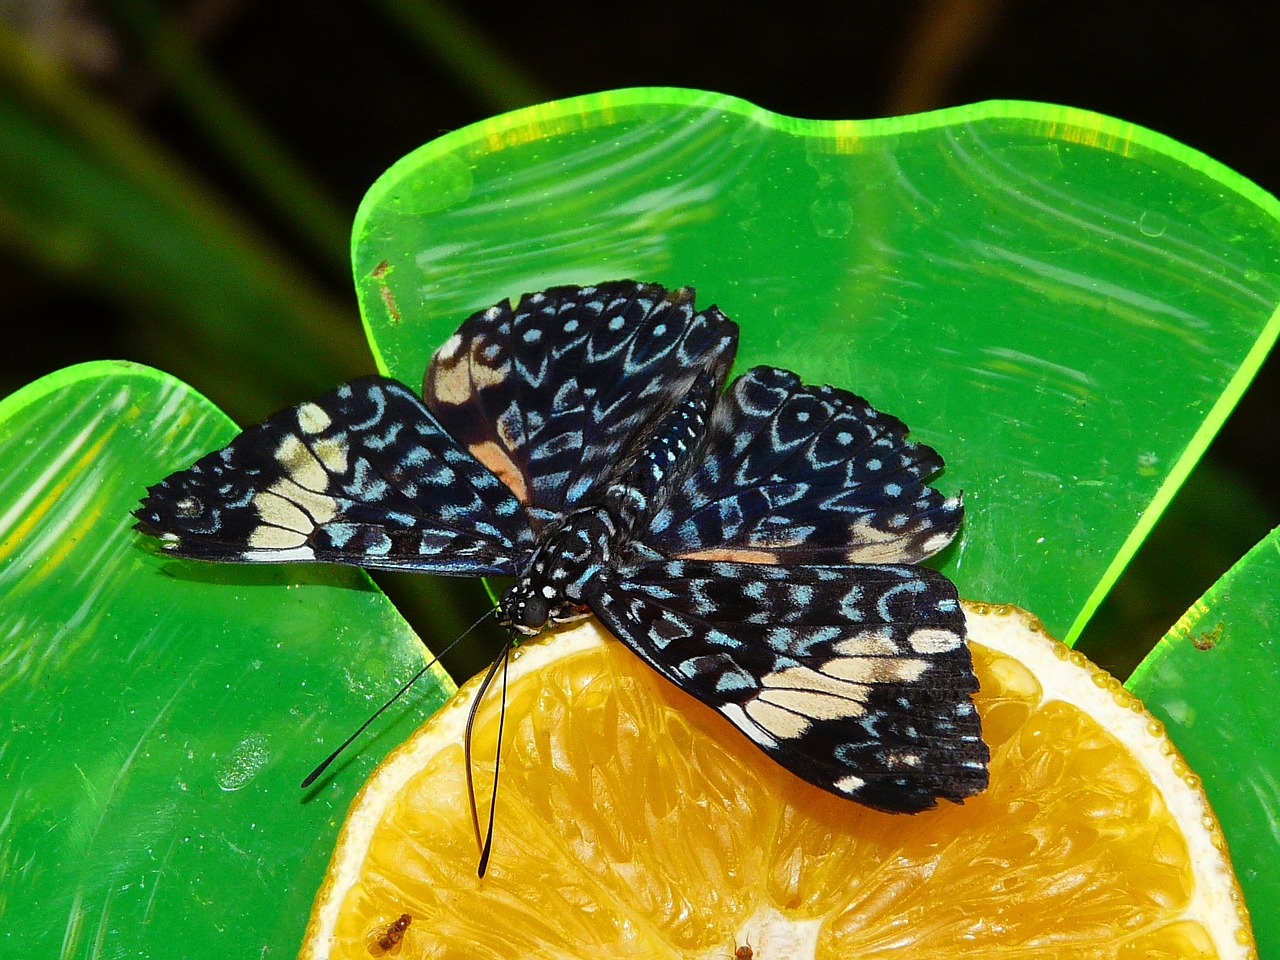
{"points": [[758, 546]]}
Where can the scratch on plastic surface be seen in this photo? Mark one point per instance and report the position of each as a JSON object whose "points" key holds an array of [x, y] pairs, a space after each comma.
{"points": [[1267, 792], [148, 912], [40, 495], [1184, 256], [1029, 362], [90, 787], [161, 714], [1093, 286], [100, 934], [75, 925]]}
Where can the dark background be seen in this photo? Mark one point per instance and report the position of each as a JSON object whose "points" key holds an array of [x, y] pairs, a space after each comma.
{"points": [[343, 89]]}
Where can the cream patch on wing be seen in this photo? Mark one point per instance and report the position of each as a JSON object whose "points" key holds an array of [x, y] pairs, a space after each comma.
{"points": [[282, 512], [791, 698], [873, 545], [868, 670], [500, 464], [267, 537], [312, 419], [319, 507], [455, 376], [868, 643], [300, 464], [778, 722], [332, 453]]}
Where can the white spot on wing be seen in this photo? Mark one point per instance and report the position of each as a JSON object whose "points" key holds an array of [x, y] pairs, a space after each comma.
{"points": [[933, 641], [740, 720], [449, 349], [849, 784]]}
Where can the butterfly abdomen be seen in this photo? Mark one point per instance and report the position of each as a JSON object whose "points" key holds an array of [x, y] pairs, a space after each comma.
{"points": [[645, 477]]}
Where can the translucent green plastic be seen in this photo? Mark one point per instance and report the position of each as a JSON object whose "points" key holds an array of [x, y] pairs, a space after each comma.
{"points": [[1213, 681], [159, 715], [1064, 305]]}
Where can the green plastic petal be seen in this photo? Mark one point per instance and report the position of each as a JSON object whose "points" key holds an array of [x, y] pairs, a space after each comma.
{"points": [[160, 714], [1213, 681], [1065, 305]]}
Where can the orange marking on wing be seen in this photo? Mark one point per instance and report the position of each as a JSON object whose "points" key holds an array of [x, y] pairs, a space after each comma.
{"points": [[741, 555], [500, 464]]}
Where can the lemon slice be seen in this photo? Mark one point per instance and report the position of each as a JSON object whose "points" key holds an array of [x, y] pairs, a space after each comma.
{"points": [[633, 821]]}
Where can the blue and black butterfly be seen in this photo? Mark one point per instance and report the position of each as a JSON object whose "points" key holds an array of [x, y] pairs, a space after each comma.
{"points": [[757, 546]]}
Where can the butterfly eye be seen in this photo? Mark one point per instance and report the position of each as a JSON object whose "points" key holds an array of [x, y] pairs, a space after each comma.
{"points": [[525, 610]]}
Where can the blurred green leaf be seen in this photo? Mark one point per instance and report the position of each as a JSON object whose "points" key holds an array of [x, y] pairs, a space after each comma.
{"points": [[448, 39], [1017, 281], [1212, 680], [160, 713], [261, 157], [87, 197]]}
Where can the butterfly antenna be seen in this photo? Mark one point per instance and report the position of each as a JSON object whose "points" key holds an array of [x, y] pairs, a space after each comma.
{"points": [[483, 844], [324, 764], [497, 759]]}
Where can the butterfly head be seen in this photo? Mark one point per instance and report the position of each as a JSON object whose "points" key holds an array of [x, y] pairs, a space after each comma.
{"points": [[551, 589], [528, 609]]}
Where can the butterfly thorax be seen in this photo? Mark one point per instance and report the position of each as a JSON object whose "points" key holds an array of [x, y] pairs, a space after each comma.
{"points": [[569, 553], [577, 547]]}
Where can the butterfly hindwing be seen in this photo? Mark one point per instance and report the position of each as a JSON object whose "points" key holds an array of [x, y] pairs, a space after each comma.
{"points": [[757, 547], [789, 473], [362, 475], [855, 678], [554, 393]]}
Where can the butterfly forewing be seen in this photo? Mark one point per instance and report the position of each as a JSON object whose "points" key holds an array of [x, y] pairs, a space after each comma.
{"points": [[790, 473], [756, 547], [855, 678], [553, 393], [362, 475]]}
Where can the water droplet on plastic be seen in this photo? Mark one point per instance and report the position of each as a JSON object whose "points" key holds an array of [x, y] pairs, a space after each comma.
{"points": [[244, 762], [1152, 224], [832, 218]]}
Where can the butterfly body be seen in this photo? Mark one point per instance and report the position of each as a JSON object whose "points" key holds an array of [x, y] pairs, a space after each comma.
{"points": [[568, 556], [756, 545]]}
